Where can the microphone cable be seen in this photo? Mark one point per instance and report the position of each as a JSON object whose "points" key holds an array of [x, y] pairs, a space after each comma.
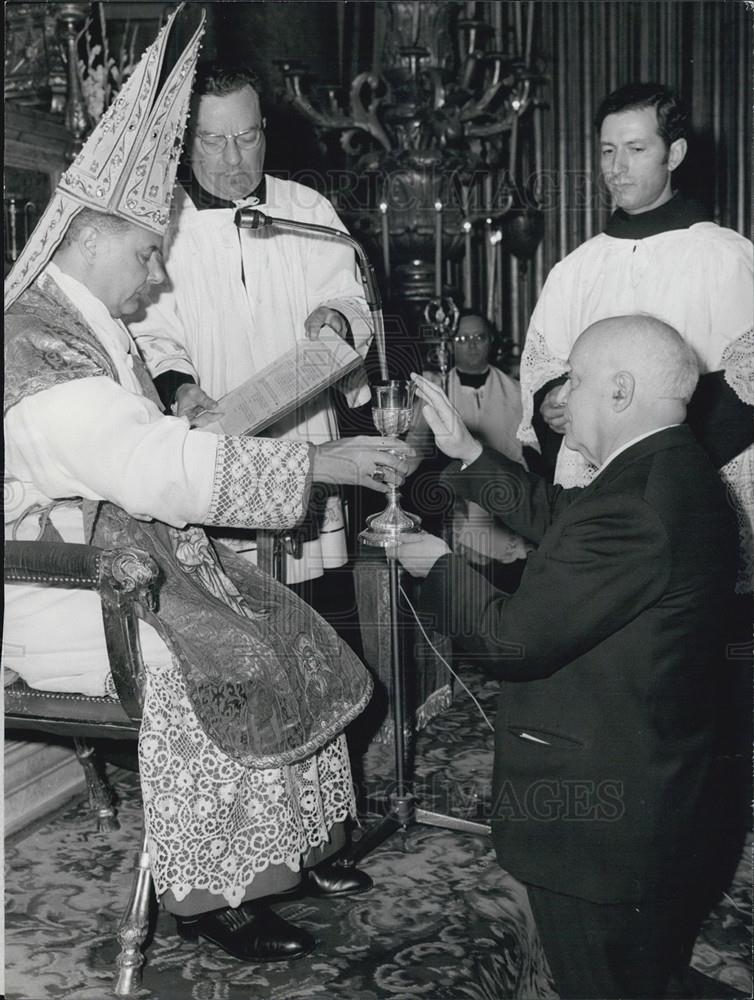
{"points": [[439, 655]]}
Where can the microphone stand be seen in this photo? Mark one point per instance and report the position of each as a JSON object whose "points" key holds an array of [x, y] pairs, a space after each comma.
{"points": [[251, 218], [402, 809]]}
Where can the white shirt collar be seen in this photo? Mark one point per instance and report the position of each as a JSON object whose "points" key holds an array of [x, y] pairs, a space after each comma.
{"points": [[91, 308], [630, 444], [110, 332]]}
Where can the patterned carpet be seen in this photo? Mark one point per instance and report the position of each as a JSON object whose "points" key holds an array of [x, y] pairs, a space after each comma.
{"points": [[442, 923]]}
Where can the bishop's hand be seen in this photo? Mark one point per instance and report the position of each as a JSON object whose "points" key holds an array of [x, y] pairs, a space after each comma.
{"points": [[375, 462], [195, 405]]}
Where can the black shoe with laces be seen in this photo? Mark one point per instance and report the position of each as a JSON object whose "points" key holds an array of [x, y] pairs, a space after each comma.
{"points": [[251, 932]]}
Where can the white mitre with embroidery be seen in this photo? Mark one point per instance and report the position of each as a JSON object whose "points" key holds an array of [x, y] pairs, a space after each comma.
{"points": [[127, 166]]}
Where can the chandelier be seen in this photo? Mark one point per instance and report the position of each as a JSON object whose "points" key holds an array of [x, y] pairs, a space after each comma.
{"points": [[435, 135]]}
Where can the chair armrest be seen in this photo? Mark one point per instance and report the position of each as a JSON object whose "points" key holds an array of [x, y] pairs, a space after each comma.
{"points": [[56, 563], [126, 580], [65, 564]]}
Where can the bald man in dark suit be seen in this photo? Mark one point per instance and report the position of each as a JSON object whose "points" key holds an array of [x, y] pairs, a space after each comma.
{"points": [[603, 789]]}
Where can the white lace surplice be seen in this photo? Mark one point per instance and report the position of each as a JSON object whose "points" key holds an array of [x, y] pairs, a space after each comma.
{"points": [[214, 824], [211, 823]]}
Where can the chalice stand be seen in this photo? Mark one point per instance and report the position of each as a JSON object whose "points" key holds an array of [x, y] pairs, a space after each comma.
{"points": [[392, 410]]}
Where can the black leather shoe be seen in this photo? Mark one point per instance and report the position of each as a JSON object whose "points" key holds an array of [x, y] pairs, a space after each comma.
{"points": [[251, 933], [333, 878]]}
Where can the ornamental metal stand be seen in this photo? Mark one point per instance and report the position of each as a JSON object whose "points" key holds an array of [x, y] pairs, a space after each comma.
{"points": [[392, 408]]}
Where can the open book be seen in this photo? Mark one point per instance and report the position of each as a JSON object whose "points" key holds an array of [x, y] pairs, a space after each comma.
{"points": [[288, 382]]}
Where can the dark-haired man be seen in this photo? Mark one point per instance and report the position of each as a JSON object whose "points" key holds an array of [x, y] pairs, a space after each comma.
{"points": [[659, 254], [240, 299]]}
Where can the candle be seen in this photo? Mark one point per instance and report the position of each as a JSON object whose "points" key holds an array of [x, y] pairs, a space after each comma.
{"points": [[467, 264], [415, 13], [492, 275], [489, 255], [385, 242], [438, 249], [497, 21], [467, 248]]}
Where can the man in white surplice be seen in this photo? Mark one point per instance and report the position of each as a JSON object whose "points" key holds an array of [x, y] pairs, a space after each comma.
{"points": [[240, 298], [660, 255]]}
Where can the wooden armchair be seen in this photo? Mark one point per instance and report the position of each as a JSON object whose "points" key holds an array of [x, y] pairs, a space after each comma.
{"points": [[125, 579]]}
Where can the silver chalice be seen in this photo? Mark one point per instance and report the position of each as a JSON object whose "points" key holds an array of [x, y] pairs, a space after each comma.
{"points": [[392, 410]]}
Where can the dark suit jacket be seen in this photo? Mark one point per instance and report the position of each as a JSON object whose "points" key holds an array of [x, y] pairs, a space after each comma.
{"points": [[608, 653]]}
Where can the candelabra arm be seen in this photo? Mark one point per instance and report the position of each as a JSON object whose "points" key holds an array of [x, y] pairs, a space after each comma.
{"points": [[70, 18], [318, 117], [483, 131], [525, 98], [475, 108], [361, 117], [438, 87], [366, 117]]}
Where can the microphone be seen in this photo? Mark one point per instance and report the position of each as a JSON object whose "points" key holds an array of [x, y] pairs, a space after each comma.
{"points": [[252, 218]]}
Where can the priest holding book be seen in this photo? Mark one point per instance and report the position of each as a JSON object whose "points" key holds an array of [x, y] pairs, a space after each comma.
{"points": [[238, 299]]}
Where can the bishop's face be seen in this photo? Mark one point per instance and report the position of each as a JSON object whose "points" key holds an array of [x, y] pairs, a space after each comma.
{"points": [[125, 266], [227, 143]]}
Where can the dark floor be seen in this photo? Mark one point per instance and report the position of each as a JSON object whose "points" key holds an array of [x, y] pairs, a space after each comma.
{"points": [[443, 921]]}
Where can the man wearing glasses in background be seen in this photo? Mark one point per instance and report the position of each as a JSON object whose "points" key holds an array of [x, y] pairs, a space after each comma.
{"points": [[239, 299], [489, 402]]}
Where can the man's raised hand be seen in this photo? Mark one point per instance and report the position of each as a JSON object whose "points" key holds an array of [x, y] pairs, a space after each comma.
{"points": [[449, 430], [552, 410]]}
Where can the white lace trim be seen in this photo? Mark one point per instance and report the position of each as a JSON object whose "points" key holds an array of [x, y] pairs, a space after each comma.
{"points": [[259, 483], [538, 366], [216, 825], [737, 363], [572, 469], [738, 475]]}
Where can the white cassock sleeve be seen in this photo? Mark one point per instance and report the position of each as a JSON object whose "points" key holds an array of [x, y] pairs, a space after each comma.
{"points": [[91, 438], [161, 338]]}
